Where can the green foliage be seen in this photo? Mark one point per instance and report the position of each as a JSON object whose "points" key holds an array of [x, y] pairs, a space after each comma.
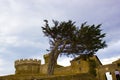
{"points": [[90, 38], [86, 39], [60, 37], [65, 38], [92, 66], [61, 32]]}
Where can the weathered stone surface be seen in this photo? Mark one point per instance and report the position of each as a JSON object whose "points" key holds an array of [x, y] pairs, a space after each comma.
{"points": [[31, 69], [27, 66]]}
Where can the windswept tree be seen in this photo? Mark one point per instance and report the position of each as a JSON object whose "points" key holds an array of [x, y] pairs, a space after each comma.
{"points": [[65, 38]]}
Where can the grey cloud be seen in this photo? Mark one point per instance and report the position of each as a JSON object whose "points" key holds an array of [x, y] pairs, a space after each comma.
{"points": [[111, 51], [22, 19]]}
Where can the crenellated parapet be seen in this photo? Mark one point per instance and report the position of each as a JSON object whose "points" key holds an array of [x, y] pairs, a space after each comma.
{"points": [[27, 61], [27, 66]]}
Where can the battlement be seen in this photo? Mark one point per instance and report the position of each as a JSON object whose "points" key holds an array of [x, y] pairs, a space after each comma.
{"points": [[27, 61], [46, 55]]}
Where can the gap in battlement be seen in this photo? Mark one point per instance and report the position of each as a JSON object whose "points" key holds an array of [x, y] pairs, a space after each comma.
{"points": [[64, 59]]}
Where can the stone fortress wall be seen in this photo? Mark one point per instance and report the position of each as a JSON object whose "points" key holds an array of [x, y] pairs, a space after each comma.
{"points": [[27, 66], [108, 68], [24, 61], [34, 66]]}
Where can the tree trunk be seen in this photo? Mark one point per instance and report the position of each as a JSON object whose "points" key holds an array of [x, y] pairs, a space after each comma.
{"points": [[52, 63], [54, 56], [53, 59]]}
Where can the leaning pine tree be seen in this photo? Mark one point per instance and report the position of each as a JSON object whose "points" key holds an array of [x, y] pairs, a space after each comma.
{"points": [[65, 38]]}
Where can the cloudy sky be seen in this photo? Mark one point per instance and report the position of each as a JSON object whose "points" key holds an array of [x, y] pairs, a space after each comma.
{"points": [[21, 34]]}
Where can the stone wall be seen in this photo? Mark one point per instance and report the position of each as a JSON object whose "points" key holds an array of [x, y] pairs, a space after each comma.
{"points": [[34, 66], [54, 77], [80, 66], [43, 69], [27, 66], [63, 71], [101, 70]]}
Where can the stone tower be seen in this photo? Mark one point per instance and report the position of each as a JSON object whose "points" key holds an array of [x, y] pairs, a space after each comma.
{"points": [[46, 58], [27, 66]]}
